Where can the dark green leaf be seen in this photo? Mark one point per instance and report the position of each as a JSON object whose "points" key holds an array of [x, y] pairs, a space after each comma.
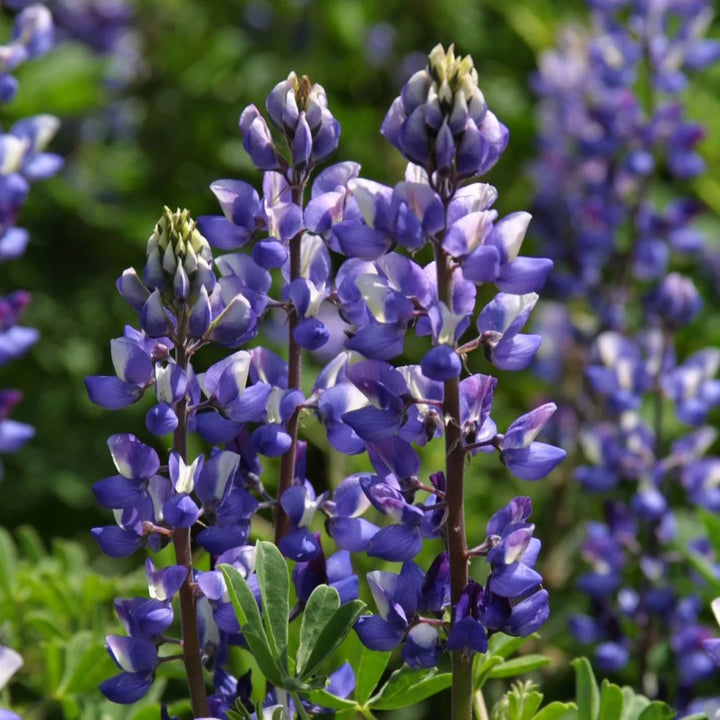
{"points": [[633, 704], [248, 615], [657, 711], [611, 701], [321, 605], [326, 699], [272, 574], [332, 635], [483, 666], [369, 669], [505, 645], [523, 705], [243, 600], [556, 711], [518, 666], [267, 662], [406, 687], [586, 690]]}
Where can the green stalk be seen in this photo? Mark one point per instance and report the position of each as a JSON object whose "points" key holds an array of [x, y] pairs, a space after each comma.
{"points": [[287, 463], [462, 685]]}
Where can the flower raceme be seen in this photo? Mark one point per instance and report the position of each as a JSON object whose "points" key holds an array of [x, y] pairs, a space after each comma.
{"points": [[247, 404]]}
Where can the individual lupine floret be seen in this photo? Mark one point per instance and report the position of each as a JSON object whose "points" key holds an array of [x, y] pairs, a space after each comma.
{"points": [[399, 599], [526, 458], [133, 356], [138, 660], [499, 325], [349, 530], [300, 505], [403, 540]]}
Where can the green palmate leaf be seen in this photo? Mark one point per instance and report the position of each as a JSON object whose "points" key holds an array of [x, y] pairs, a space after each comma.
{"points": [[586, 690], [330, 637], [657, 711], [328, 700], [243, 600], [272, 574], [369, 669], [611, 701], [633, 704], [320, 607], [483, 666], [505, 645], [248, 615], [556, 711], [523, 705], [267, 662], [408, 687], [518, 666], [348, 714]]}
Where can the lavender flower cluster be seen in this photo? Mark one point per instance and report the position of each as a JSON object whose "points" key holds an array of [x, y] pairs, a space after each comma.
{"points": [[23, 160], [613, 131], [248, 404]]}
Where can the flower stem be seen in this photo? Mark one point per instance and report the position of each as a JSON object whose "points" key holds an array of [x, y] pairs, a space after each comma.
{"points": [[183, 555], [287, 463], [456, 537]]}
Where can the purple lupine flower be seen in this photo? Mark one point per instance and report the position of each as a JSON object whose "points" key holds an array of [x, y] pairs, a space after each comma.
{"points": [[335, 571], [300, 504], [467, 141], [138, 659], [524, 457]]}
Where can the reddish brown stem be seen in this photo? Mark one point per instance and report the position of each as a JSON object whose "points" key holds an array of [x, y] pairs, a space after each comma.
{"points": [[183, 556]]}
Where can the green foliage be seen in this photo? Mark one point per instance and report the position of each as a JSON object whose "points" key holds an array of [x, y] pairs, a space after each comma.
{"points": [[56, 611], [324, 628]]}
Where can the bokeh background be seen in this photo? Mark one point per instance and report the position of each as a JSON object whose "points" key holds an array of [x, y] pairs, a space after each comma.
{"points": [[149, 118]]}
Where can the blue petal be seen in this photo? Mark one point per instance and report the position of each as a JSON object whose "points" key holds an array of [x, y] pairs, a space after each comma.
{"points": [[469, 636], [353, 534], [524, 275], [127, 688], [373, 424], [396, 542], [378, 634], [361, 241], [116, 542], [533, 462], [299, 545], [441, 363], [221, 233], [110, 392]]}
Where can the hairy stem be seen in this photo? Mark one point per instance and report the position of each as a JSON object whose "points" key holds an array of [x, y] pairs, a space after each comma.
{"points": [[456, 537], [183, 556], [287, 463]]}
